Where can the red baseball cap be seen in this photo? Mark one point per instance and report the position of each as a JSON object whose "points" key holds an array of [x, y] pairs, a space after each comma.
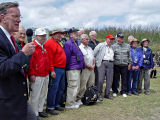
{"points": [[110, 36]]}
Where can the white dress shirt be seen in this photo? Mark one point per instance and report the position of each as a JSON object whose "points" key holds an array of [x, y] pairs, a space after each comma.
{"points": [[39, 44], [87, 53], [8, 36], [109, 54]]}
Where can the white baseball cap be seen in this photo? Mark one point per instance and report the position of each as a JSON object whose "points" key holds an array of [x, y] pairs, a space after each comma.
{"points": [[40, 31]]}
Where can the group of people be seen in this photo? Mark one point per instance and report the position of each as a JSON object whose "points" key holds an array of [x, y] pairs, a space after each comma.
{"points": [[57, 66]]}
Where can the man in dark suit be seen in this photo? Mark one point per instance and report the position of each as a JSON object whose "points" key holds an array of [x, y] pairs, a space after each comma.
{"points": [[13, 85]]}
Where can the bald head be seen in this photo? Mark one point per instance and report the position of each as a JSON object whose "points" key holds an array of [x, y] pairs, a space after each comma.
{"points": [[80, 32], [21, 34], [93, 35], [130, 38]]}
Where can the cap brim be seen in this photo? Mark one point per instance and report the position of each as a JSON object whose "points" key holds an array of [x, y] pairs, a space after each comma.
{"points": [[145, 40], [73, 32], [55, 33], [41, 34], [111, 38], [121, 36], [135, 41]]}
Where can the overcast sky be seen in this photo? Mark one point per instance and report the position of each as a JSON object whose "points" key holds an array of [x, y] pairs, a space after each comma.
{"points": [[88, 13]]}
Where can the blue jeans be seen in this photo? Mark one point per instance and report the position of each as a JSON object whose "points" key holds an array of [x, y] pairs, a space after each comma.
{"points": [[55, 88], [133, 74]]}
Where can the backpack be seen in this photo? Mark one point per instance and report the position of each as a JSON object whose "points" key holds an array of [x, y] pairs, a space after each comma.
{"points": [[90, 96]]}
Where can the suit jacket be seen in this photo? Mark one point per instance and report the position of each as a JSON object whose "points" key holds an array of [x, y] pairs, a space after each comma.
{"points": [[13, 85], [26, 68]]}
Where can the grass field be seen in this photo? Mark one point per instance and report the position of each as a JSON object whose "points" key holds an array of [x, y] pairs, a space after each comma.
{"points": [[141, 107]]}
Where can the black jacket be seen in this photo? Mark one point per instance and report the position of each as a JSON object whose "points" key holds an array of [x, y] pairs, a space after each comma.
{"points": [[92, 45]]}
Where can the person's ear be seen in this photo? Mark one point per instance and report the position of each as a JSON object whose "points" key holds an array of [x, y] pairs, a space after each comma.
{"points": [[2, 18]]}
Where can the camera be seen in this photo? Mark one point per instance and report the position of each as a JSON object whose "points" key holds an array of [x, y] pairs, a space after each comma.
{"points": [[78, 58], [146, 62]]}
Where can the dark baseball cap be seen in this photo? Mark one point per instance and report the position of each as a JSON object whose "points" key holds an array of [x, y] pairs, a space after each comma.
{"points": [[72, 30], [120, 35]]}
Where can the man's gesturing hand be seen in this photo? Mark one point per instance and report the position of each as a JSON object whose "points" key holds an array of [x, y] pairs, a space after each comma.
{"points": [[28, 49]]}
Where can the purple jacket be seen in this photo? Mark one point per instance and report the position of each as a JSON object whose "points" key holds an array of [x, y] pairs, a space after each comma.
{"points": [[75, 60]]}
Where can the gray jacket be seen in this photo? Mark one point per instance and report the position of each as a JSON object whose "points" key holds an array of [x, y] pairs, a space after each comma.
{"points": [[122, 55], [99, 53]]}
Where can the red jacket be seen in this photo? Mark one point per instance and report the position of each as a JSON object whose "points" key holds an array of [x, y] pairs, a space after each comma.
{"points": [[39, 63], [57, 56]]}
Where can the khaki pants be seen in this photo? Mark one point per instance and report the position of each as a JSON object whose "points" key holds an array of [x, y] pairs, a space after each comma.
{"points": [[144, 74], [73, 80], [87, 80], [38, 93]]}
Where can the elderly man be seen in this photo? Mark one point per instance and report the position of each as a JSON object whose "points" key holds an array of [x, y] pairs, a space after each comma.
{"points": [[75, 63], [13, 85], [39, 73], [137, 59], [80, 32], [57, 65], [146, 67], [130, 38], [20, 37], [122, 63], [93, 42], [63, 38], [104, 55], [87, 76]]}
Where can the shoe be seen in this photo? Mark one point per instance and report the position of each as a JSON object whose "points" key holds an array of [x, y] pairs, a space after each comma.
{"points": [[146, 93], [52, 112], [59, 108], [139, 92], [124, 95], [135, 93], [154, 77], [109, 97], [42, 114], [72, 107], [79, 102], [129, 93], [100, 98], [38, 118], [114, 95]]}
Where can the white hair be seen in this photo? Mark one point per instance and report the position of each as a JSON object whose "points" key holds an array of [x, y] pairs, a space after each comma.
{"points": [[81, 29], [131, 37], [83, 36], [92, 33]]}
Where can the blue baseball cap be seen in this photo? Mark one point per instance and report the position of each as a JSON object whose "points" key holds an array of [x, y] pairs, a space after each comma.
{"points": [[120, 35], [72, 30]]}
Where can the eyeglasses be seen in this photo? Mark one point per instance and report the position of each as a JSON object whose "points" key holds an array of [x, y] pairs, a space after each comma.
{"points": [[17, 16]]}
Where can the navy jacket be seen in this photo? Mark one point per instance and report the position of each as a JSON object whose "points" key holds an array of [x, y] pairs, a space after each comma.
{"points": [[13, 85], [147, 58], [137, 57]]}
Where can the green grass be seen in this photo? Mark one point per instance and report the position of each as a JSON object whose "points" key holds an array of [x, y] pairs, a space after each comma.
{"points": [[133, 107]]}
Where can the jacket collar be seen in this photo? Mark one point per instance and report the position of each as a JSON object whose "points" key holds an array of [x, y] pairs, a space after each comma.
{"points": [[93, 42], [38, 44], [73, 41], [148, 49], [8, 42]]}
